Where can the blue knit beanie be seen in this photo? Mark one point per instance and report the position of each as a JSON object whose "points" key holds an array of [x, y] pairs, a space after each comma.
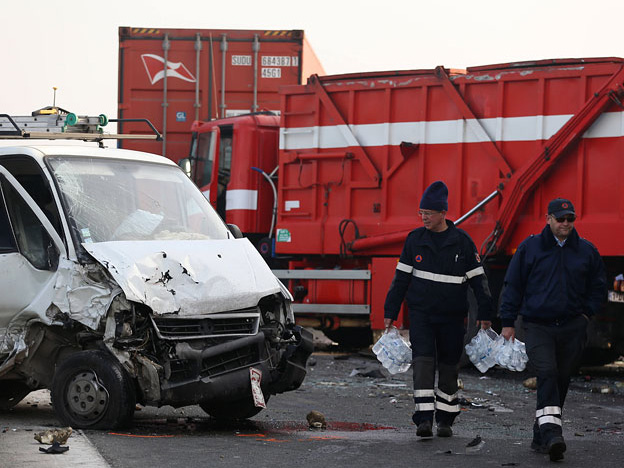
{"points": [[435, 197]]}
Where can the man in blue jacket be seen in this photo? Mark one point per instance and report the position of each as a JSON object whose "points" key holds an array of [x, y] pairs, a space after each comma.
{"points": [[556, 281], [436, 266]]}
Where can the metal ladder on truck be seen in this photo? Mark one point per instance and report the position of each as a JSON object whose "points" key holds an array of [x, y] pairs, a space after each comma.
{"points": [[53, 123]]}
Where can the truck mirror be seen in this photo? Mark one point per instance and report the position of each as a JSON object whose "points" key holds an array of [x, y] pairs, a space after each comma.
{"points": [[235, 230], [185, 164]]}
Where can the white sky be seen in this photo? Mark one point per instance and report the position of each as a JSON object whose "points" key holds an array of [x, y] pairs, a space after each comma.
{"points": [[74, 45]]}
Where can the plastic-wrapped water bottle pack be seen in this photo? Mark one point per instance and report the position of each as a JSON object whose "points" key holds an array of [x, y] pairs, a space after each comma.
{"points": [[488, 348], [512, 355], [393, 351]]}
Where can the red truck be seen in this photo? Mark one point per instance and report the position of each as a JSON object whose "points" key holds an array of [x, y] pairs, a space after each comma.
{"points": [[331, 209], [175, 76]]}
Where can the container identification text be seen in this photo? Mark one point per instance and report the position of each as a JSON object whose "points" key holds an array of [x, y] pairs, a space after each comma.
{"points": [[271, 73], [241, 60], [280, 61]]}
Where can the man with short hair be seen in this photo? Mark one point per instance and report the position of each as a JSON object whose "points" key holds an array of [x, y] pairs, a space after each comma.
{"points": [[436, 266], [556, 281]]}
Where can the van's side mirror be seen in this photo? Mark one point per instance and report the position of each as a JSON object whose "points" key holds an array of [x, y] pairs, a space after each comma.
{"points": [[185, 164], [235, 230]]}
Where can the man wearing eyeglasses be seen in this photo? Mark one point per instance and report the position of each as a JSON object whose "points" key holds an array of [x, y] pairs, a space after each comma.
{"points": [[556, 281], [437, 264]]}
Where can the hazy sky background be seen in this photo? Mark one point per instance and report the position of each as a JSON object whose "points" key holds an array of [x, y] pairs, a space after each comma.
{"points": [[74, 45]]}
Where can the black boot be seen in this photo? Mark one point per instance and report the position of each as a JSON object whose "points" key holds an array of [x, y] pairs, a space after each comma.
{"points": [[556, 447], [444, 430], [424, 429]]}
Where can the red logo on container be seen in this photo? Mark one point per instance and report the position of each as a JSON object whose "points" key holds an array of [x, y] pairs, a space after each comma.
{"points": [[564, 205], [155, 68], [418, 258]]}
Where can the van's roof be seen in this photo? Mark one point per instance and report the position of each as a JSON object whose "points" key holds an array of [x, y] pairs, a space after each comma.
{"points": [[41, 150]]}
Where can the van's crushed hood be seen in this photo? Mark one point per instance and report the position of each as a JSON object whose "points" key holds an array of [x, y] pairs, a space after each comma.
{"points": [[188, 277]]}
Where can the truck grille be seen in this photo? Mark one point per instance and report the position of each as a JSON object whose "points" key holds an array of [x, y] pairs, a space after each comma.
{"points": [[236, 359], [231, 324], [186, 369]]}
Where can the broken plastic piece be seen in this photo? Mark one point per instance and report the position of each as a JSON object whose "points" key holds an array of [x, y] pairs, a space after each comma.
{"points": [[475, 444], [54, 449]]}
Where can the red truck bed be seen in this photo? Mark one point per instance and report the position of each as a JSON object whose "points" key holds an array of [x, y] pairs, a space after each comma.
{"points": [[363, 147]]}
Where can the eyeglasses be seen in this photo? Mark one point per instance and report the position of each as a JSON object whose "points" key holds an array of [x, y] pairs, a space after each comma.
{"points": [[569, 219], [427, 214]]}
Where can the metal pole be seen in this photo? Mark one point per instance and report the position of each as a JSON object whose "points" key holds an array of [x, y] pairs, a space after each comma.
{"points": [[256, 49], [198, 48], [165, 104], [224, 48], [483, 202]]}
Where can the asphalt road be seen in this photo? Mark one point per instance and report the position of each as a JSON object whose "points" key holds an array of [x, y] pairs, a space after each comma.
{"points": [[368, 425]]}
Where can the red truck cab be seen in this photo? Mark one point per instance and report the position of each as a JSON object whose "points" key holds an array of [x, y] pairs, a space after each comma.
{"points": [[245, 151]]}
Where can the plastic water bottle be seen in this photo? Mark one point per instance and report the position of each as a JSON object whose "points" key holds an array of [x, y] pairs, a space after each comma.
{"points": [[505, 353], [483, 348], [393, 352]]}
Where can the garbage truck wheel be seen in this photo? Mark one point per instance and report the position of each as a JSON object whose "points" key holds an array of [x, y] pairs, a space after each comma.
{"points": [[92, 390]]}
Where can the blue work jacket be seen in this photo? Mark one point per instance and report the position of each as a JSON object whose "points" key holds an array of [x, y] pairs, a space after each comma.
{"points": [[435, 281], [550, 284]]}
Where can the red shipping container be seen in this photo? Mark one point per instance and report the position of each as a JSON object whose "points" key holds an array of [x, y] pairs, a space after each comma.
{"points": [[175, 76]]}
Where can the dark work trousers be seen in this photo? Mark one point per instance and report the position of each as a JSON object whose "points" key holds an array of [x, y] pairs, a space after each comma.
{"points": [[554, 351], [436, 343]]}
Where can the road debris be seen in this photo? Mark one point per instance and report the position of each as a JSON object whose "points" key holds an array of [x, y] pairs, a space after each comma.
{"points": [[54, 449], [51, 436], [316, 420], [530, 383], [499, 409], [602, 389], [369, 371], [475, 444]]}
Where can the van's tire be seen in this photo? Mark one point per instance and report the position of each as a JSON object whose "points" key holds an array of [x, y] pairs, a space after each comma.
{"points": [[92, 390], [233, 410], [11, 393]]}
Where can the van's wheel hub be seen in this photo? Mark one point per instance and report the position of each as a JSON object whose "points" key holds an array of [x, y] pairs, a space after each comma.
{"points": [[86, 396]]}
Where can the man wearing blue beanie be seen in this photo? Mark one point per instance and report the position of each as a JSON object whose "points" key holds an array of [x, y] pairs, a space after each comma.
{"points": [[438, 263]]}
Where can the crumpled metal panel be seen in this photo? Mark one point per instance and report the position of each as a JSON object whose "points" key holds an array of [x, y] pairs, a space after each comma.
{"points": [[188, 277], [81, 297]]}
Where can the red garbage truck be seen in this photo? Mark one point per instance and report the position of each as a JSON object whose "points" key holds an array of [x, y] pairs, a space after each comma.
{"points": [[329, 189]]}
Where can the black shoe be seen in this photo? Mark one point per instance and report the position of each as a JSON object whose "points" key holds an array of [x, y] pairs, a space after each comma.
{"points": [[538, 447], [424, 429], [444, 430], [556, 447]]}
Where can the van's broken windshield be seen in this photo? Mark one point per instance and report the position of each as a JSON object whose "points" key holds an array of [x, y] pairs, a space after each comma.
{"points": [[111, 200]]}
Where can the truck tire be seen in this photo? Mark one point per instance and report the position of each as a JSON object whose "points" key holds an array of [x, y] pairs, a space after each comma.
{"points": [[232, 410], [92, 390], [11, 393]]}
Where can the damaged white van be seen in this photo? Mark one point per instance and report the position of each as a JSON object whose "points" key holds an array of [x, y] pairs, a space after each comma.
{"points": [[119, 284]]}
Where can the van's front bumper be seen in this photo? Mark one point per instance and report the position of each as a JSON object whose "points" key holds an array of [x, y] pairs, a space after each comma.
{"points": [[220, 373]]}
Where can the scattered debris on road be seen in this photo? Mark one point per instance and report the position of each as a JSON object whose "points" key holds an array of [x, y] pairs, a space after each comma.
{"points": [[316, 420], [54, 449], [475, 444], [530, 383], [54, 435]]}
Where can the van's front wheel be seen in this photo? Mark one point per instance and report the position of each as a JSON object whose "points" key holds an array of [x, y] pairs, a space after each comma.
{"points": [[91, 390]]}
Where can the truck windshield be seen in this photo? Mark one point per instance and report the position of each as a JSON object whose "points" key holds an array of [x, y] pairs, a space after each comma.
{"points": [[110, 200]]}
